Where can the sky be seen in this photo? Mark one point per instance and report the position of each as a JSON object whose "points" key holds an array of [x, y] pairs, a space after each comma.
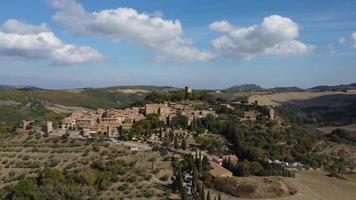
{"points": [[208, 44]]}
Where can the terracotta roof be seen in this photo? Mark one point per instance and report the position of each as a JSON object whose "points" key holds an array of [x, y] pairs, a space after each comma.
{"points": [[219, 171]]}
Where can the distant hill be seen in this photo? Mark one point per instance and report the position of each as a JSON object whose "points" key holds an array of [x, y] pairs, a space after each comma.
{"points": [[256, 88], [244, 88], [143, 87], [6, 87], [24, 88], [286, 89], [333, 88], [93, 98], [29, 88]]}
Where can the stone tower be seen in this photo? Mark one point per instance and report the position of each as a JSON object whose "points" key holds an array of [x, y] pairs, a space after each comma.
{"points": [[49, 127], [188, 90]]}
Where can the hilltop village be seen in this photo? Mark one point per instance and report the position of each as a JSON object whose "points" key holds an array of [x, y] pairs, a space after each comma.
{"points": [[197, 139], [110, 122]]}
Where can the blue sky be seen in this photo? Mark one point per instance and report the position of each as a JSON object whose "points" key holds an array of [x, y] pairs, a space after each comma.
{"points": [[203, 43]]}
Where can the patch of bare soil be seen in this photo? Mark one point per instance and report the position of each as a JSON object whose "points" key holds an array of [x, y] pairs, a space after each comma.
{"points": [[346, 151], [132, 91], [350, 128], [57, 108], [256, 188], [303, 98], [312, 185]]}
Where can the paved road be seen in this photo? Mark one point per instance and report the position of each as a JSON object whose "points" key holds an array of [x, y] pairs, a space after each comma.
{"points": [[140, 146]]}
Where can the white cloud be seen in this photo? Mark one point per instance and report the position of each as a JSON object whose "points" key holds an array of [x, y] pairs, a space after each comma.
{"points": [[221, 26], [18, 39], [353, 37], [275, 36], [331, 47], [152, 32], [342, 40]]}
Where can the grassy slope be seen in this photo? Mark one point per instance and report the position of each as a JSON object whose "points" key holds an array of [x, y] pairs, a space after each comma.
{"points": [[12, 115], [90, 98]]}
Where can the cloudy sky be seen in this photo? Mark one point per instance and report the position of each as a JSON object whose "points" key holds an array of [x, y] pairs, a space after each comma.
{"points": [[203, 43]]}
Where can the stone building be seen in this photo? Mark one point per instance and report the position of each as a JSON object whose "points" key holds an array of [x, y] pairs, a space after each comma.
{"points": [[188, 90], [271, 113], [48, 127], [219, 171], [250, 115]]}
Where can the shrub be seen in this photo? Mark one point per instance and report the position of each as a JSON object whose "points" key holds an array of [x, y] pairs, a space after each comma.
{"points": [[164, 178], [52, 163], [11, 174], [156, 171], [148, 177], [86, 153], [26, 157], [131, 179], [38, 136], [148, 193]]}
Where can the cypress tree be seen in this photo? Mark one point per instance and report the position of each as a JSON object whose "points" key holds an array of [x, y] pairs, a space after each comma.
{"points": [[202, 192], [195, 179], [200, 163], [184, 144], [208, 196], [176, 146]]}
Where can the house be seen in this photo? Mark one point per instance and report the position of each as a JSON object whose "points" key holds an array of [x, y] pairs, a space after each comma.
{"points": [[232, 158], [250, 115], [68, 123], [219, 171], [217, 160], [49, 127], [133, 148], [26, 124]]}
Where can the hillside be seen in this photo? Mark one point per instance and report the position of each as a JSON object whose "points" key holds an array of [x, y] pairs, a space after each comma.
{"points": [[244, 88], [256, 88], [334, 87], [89, 98], [6, 87]]}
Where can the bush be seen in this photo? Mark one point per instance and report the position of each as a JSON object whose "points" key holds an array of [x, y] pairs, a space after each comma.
{"points": [[131, 179], [148, 177], [26, 157], [164, 178], [156, 171], [38, 136], [86, 153], [52, 163], [148, 193], [123, 187], [12, 174]]}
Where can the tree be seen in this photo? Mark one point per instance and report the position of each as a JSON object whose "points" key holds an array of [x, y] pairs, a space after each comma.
{"points": [[184, 144], [202, 192], [205, 163], [184, 194], [195, 179], [219, 197], [176, 146], [208, 196], [152, 162], [255, 167]]}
